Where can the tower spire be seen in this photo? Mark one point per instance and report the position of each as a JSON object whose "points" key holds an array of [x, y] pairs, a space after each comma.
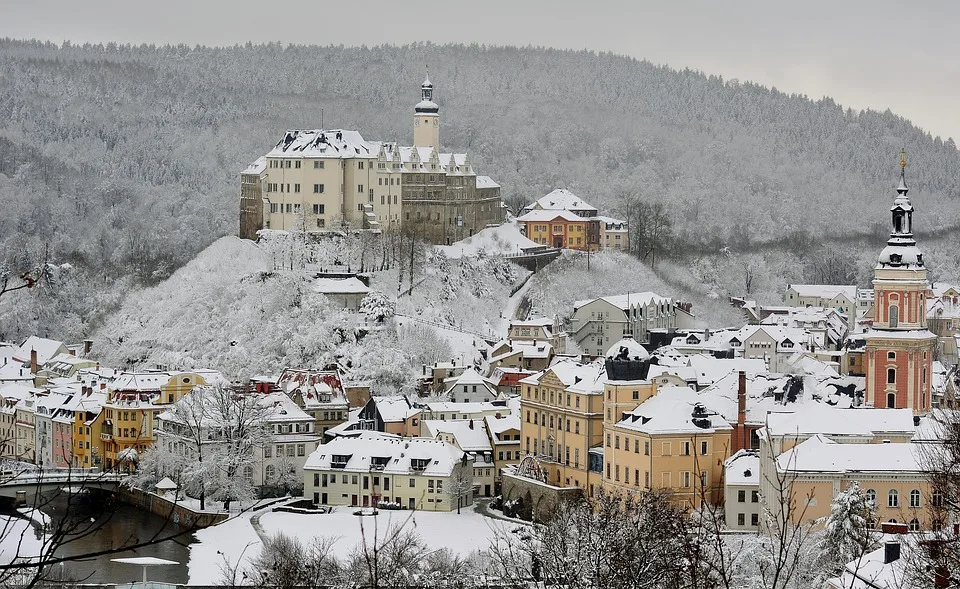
{"points": [[902, 187]]}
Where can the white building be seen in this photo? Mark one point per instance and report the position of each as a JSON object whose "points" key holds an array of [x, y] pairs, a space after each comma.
{"points": [[472, 437], [470, 387], [741, 491]]}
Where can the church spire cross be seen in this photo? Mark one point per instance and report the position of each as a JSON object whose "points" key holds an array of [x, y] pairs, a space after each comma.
{"points": [[902, 187]]}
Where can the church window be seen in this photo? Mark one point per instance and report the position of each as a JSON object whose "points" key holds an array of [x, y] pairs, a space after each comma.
{"points": [[891, 375], [891, 355], [891, 400], [893, 315]]}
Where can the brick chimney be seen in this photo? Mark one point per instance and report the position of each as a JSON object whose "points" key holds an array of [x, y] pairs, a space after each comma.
{"points": [[33, 361], [740, 432]]}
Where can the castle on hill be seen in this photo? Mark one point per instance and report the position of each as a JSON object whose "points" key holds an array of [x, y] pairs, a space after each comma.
{"points": [[315, 180]]}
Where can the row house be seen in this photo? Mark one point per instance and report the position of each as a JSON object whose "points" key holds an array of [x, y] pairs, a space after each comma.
{"points": [[135, 401]]}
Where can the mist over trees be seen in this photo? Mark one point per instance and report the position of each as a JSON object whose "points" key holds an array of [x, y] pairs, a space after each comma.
{"points": [[123, 161]]}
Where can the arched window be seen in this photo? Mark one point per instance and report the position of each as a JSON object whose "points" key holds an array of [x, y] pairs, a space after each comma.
{"points": [[893, 499], [248, 473], [871, 497], [891, 355], [915, 498], [893, 315], [891, 375], [936, 498], [271, 473], [914, 525], [891, 400]]}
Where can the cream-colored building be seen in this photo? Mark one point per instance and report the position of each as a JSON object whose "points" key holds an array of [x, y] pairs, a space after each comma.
{"points": [[597, 323], [372, 469], [843, 298], [316, 179], [812, 473], [470, 436]]}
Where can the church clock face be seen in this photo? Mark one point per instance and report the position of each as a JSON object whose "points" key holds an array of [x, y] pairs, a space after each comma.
{"points": [[436, 122], [416, 122]]}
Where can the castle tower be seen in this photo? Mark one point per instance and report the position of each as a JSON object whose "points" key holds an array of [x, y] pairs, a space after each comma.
{"points": [[426, 119], [899, 346]]}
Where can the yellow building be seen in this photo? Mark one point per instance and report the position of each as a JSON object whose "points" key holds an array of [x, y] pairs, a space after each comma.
{"points": [[134, 400], [669, 442], [561, 229], [562, 419]]}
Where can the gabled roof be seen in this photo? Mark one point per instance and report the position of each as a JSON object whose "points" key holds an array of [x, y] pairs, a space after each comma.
{"points": [[743, 468], [350, 285], [561, 199], [45, 348], [628, 301], [540, 216]]}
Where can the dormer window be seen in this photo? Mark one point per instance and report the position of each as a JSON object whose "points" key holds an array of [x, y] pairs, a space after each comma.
{"points": [[895, 258]]}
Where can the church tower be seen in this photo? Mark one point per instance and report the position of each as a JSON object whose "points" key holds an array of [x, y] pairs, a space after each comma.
{"points": [[426, 119], [899, 347]]}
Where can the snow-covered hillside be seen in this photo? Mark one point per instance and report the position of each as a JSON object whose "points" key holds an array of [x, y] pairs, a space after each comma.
{"points": [[229, 309]]}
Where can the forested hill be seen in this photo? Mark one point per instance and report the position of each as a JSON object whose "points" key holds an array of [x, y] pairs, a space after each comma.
{"points": [[124, 161]]}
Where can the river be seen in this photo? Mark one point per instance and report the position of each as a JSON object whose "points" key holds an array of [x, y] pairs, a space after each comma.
{"points": [[103, 524]]}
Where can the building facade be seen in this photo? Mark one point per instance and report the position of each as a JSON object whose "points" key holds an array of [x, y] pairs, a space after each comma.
{"points": [[314, 180]]}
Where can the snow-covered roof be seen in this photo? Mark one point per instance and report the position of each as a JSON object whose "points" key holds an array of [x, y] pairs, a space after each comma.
{"points": [[804, 420], [561, 199], [825, 291], [469, 434], [498, 425], [320, 143], [486, 182], [628, 301], [673, 410], [743, 468], [898, 334], [628, 349], [350, 285], [820, 454], [542, 216], [409, 456], [577, 377], [944, 288], [45, 348], [395, 409], [709, 369], [257, 167]]}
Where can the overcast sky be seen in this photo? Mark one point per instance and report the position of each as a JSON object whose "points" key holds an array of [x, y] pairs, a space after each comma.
{"points": [[865, 53]]}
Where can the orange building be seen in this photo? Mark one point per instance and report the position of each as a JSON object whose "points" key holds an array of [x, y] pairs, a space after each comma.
{"points": [[899, 347], [561, 229]]}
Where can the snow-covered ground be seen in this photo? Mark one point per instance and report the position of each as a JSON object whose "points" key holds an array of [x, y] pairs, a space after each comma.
{"points": [[236, 539], [504, 239], [19, 539]]}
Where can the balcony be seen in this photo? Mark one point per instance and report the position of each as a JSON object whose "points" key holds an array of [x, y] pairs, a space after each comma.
{"points": [[105, 437]]}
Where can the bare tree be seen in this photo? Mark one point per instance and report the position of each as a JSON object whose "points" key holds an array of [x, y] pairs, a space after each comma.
{"points": [[650, 225]]}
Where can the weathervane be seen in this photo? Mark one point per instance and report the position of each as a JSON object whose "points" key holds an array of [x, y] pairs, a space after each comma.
{"points": [[903, 158]]}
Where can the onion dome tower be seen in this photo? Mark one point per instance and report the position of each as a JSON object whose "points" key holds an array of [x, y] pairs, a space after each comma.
{"points": [[899, 347]]}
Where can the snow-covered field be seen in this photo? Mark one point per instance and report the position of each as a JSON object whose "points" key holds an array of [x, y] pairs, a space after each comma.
{"points": [[236, 539], [19, 539]]}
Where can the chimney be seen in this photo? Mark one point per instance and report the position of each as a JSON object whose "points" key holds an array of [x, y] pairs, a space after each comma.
{"points": [[894, 528], [87, 346], [33, 361], [103, 386], [891, 551], [471, 424], [742, 442]]}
